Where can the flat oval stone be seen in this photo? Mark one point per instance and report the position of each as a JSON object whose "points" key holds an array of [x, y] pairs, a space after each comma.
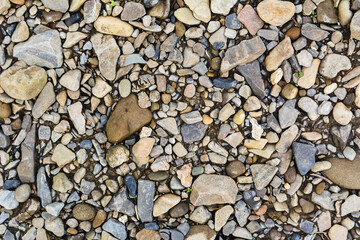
{"points": [[276, 12], [126, 119], [114, 26], [345, 173], [84, 212], [23, 82]]}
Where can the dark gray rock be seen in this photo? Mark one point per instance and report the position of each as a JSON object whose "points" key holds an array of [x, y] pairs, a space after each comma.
{"points": [[146, 193], [43, 190], [121, 203], [273, 123], [11, 184], [131, 186], [26, 168], [340, 135], [304, 156], [224, 83], [249, 199], [288, 114], [179, 210], [251, 73], [43, 49], [231, 21], [193, 132], [115, 228], [313, 32], [169, 44]]}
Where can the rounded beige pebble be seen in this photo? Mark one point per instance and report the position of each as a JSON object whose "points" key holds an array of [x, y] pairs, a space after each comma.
{"points": [[321, 166], [342, 114], [338, 232], [22, 193]]}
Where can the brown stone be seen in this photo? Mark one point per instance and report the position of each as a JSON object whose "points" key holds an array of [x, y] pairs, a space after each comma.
{"points": [[320, 188], [235, 169], [126, 119], [200, 232], [294, 33], [5, 110], [99, 218], [250, 19], [148, 234], [84, 212], [307, 206], [345, 173]]}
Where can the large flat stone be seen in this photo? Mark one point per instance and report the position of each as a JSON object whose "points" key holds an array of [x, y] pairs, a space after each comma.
{"points": [[209, 189], [43, 49], [243, 53], [126, 119], [345, 173]]}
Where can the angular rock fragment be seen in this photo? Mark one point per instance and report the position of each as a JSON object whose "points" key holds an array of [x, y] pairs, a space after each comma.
{"points": [[26, 168]]}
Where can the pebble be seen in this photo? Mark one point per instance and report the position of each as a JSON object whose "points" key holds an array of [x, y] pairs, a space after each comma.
{"points": [[126, 119], [309, 77], [55, 226], [107, 51], [309, 106], [250, 19], [243, 53], [222, 189], [62, 155], [200, 9], [281, 52], [76, 116], [164, 203], [83, 212], [275, 12], [23, 82], [304, 156], [71, 80], [48, 43], [61, 183], [193, 132], [222, 7], [342, 114], [346, 179], [21, 32], [350, 205], [113, 26], [132, 11], [44, 101], [61, 5], [7, 199], [117, 155], [338, 232], [185, 15], [22, 193], [262, 174], [333, 64], [146, 190], [116, 228], [4, 6], [313, 32]]}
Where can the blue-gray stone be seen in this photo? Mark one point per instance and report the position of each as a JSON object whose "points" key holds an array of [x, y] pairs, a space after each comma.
{"points": [[11, 184], [304, 156], [43, 190], [288, 114], [193, 132], [231, 21], [145, 200], [43, 49], [74, 197], [251, 73], [121, 203], [26, 168], [171, 234], [306, 226], [130, 183], [4, 140], [175, 183], [224, 83], [152, 226], [132, 59], [3, 217], [7, 199], [9, 235], [218, 45], [115, 228], [86, 144]]}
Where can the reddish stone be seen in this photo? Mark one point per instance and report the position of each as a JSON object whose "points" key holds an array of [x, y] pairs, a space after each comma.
{"points": [[250, 19]]}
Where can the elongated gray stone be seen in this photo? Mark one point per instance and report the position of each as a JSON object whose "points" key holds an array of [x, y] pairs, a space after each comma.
{"points": [[116, 228], [26, 168], [44, 101], [43, 49], [145, 203], [43, 190], [251, 73], [243, 53]]}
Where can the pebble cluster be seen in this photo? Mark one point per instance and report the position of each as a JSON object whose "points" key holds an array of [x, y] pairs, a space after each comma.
{"points": [[179, 120]]}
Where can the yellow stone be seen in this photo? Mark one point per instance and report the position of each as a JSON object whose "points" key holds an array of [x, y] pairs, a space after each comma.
{"points": [[113, 26]]}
